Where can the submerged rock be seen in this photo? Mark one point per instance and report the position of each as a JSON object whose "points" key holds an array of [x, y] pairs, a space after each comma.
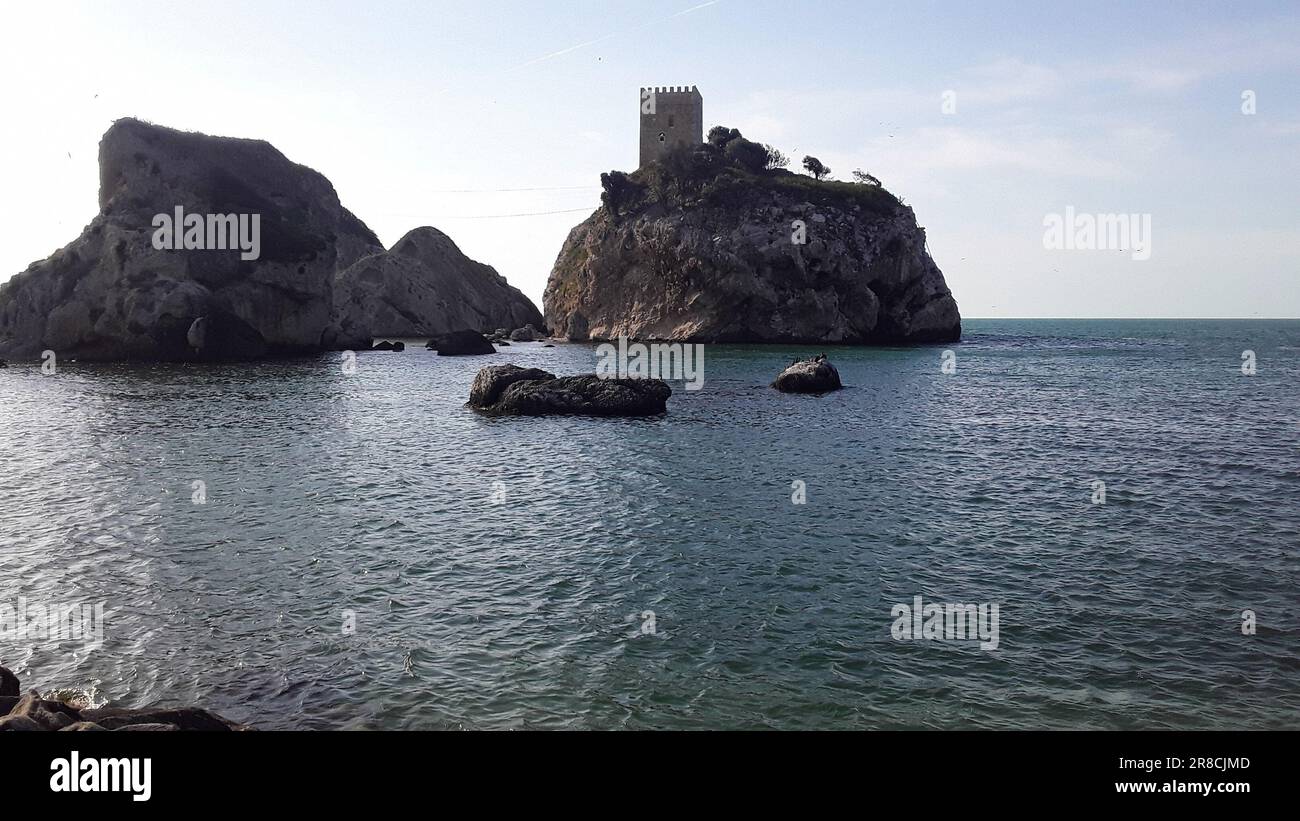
{"points": [[510, 390], [460, 343], [816, 375]]}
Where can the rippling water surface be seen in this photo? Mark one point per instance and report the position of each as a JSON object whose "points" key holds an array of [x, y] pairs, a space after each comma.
{"points": [[374, 493]]}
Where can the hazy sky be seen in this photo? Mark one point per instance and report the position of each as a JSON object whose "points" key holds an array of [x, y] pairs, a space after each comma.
{"points": [[1103, 107]]}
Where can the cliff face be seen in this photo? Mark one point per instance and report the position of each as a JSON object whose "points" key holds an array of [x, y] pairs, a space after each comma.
{"points": [[110, 294], [424, 286], [712, 256]]}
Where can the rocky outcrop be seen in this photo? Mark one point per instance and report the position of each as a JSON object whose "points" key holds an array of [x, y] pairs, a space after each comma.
{"points": [[526, 334], [508, 390], [111, 294], [320, 279], [699, 250], [424, 286], [460, 343], [816, 375], [33, 712]]}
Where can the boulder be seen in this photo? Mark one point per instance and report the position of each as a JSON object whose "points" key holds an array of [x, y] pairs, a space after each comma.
{"points": [[8, 684], [526, 334], [155, 727], [15, 723], [491, 381], [383, 346], [185, 718], [587, 395], [398, 347], [82, 727], [48, 713], [815, 375], [460, 343]]}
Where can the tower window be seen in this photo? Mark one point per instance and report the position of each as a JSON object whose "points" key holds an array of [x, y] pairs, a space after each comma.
{"points": [[670, 121], [661, 136]]}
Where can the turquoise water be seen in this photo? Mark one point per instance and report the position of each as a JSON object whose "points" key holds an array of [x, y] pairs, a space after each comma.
{"points": [[521, 604]]}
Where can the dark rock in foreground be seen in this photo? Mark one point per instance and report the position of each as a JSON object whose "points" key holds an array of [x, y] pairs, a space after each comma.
{"points": [[460, 343], [509, 390], [816, 375], [33, 713]]}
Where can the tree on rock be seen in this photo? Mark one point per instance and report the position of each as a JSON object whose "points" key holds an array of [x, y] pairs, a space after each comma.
{"points": [[747, 154], [775, 159], [814, 166], [720, 135], [866, 179]]}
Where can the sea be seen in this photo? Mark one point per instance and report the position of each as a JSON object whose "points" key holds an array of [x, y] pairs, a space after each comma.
{"points": [[301, 544]]}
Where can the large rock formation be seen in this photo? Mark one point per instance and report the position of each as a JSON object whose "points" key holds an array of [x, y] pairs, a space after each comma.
{"points": [[322, 279], [701, 249], [424, 286]]}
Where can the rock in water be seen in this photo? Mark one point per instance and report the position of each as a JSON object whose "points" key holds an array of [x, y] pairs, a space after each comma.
{"points": [[715, 254], [460, 343], [512, 391], [489, 382], [382, 346], [111, 294], [816, 375], [526, 334], [424, 286]]}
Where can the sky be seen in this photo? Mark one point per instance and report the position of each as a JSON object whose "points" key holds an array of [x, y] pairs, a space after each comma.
{"points": [[987, 118]]}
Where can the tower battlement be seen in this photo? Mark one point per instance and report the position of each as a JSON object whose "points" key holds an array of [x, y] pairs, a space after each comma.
{"points": [[671, 116]]}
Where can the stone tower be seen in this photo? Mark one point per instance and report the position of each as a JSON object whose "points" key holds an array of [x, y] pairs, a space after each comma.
{"points": [[670, 116]]}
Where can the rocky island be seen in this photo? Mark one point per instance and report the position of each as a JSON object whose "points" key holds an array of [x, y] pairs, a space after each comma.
{"points": [[711, 244], [313, 276]]}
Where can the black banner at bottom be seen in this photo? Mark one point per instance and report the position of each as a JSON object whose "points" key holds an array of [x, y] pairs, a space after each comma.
{"points": [[135, 771]]}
